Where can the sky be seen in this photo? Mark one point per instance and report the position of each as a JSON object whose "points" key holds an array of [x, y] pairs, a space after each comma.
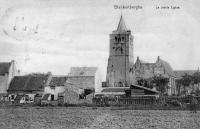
{"points": [[51, 35]]}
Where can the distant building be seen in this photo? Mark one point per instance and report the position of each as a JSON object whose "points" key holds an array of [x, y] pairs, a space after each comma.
{"points": [[121, 70], [120, 61], [28, 85], [144, 70], [56, 86], [85, 78], [7, 71]]}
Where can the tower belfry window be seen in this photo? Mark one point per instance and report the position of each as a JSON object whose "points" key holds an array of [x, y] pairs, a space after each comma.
{"points": [[123, 38]]}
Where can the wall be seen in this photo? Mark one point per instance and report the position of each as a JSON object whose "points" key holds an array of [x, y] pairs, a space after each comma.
{"points": [[98, 81], [3, 84], [55, 92]]}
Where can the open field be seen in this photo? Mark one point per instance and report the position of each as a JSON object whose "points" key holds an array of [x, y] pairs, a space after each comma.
{"points": [[100, 118]]}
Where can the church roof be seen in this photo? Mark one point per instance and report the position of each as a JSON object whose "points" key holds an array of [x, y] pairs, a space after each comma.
{"points": [[167, 67], [121, 26]]}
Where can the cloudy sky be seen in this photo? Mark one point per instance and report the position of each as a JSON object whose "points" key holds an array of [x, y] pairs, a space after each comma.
{"points": [[51, 35]]}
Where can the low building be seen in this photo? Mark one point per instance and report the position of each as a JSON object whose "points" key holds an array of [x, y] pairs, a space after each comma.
{"points": [[144, 70], [56, 86], [7, 71], [132, 91], [29, 85]]}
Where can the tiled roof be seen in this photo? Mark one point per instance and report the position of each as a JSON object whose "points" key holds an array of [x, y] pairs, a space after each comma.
{"points": [[180, 73], [28, 83], [58, 81], [83, 71], [4, 68]]}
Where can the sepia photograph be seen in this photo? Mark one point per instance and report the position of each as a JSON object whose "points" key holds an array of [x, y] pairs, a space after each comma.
{"points": [[109, 64]]}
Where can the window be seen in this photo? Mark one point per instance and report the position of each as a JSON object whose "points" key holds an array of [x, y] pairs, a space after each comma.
{"points": [[115, 39], [52, 97], [123, 38], [12, 96]]}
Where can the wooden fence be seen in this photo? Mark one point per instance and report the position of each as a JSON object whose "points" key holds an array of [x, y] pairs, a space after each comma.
{"points": [[112, 101]]}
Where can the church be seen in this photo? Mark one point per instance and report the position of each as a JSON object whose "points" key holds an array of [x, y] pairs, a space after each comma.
{"points": [[122, 72]]}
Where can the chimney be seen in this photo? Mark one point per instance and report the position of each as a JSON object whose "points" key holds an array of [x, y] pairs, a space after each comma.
{"points": [[158, 58], [138, 58]]}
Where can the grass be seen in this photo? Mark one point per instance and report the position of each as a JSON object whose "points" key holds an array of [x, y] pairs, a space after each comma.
{"points": [[95, 118]]}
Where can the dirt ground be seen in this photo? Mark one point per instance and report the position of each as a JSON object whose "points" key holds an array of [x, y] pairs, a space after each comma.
{"points": [[100, 118]]}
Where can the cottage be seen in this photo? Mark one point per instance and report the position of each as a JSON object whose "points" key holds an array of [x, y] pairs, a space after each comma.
{"points": [[56, 86], [28, 85], [7, 72]]}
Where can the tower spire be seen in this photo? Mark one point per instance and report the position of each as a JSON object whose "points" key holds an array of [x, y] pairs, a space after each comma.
{"points": [[121, 26]]}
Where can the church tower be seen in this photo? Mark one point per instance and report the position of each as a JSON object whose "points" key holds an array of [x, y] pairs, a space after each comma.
{"points": [[120, 62]]}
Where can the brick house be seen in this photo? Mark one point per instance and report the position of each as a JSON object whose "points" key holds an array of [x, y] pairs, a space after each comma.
{"points": [[7, 72]]}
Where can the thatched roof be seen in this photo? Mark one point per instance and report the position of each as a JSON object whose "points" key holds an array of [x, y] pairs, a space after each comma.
{"points": [[58, 81], [28, 83]]}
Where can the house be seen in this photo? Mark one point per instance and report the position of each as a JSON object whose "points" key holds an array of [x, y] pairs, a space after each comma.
{"points": [[28, 85], [7, 72], [144, 70], [55, 87], [87, 78]]}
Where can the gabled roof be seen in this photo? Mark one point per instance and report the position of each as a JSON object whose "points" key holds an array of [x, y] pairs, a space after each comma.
{"points": [[28, 83], [58, 81], [121, 26], [83, 71], [180, 73], [4, 68]]}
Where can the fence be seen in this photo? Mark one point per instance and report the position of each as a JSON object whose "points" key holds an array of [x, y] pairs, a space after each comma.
{"points": [[148, 100]]}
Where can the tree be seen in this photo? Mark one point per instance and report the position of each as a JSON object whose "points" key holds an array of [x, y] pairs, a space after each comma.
{"points": [[178, 85], [186, 80], [161, 83], [196, 77], [145, 83]]}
